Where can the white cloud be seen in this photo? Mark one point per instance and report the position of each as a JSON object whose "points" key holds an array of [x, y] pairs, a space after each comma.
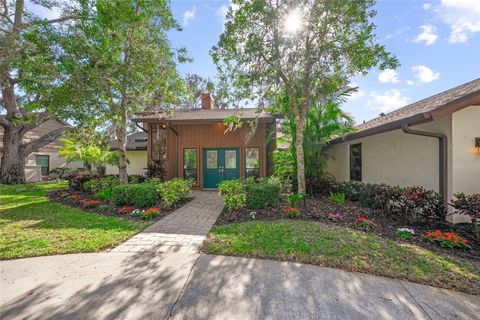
{"points": [[410, 82], [357, 94], [425, 74], [388, 76], [462, 16], [188, 16], [387, 101], [426, 6], [428, 35]]}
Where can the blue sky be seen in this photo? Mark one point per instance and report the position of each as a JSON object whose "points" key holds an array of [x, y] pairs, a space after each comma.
{"points": [[436, 42]]}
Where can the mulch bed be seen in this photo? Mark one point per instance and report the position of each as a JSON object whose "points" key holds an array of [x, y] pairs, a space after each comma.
{"points": [[319, 209], [83, 200]]}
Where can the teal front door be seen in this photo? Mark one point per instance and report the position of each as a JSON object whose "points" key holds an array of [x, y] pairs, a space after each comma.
{"points": [[220, 164]]}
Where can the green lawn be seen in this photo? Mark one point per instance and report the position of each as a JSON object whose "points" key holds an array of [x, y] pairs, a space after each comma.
{"points": [[344, 248], [30, 225]]}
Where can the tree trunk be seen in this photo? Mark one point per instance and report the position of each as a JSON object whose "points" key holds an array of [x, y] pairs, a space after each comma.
{"points": [[12, 167], [122, 148], [300, 119]]}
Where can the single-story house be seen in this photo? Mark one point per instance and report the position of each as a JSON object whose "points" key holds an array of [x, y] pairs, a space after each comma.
{"points": [[434, 143], [39, 163], [136, 154], [196, 144]]}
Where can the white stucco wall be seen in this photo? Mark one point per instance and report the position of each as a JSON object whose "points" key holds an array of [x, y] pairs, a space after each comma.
{"points": [[465, 157], [397, 158], [137, 163], [394, 157]]}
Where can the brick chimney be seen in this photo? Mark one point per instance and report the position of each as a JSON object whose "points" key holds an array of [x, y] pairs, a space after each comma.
{"points": [[207, 101]]}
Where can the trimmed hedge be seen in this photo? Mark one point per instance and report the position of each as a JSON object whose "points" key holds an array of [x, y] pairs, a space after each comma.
{"points": [[233, 193], [174, 190], [262, 195], [138, 195]]}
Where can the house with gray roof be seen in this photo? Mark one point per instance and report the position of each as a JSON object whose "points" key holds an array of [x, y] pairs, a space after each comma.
{"points": [[434, 143]]}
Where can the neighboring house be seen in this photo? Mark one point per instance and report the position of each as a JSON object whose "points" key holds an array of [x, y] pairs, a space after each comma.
{"points": [[39, 163], [136, 154], [196, 144], [434, 143]]}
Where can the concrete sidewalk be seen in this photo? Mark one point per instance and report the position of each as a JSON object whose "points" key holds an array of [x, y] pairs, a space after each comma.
{"points": [[241, 288]]}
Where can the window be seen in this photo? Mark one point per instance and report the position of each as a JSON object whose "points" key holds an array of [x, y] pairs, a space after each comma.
{"points": [[190, 164], [212, 159], [230, 159], [252, 162], [356, 162], [43, 161]]}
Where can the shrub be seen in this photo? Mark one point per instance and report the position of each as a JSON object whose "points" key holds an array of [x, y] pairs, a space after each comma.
{"points": [[105, 194], [417, 205], [78, 178], [62, 173], [467, 205], [125, 210], [338, 198], [284, 185], [322, 185], [447, 239], [295, 199], [91, 203], [261, 195], [96, 184], [138, 195], [174, 191], [136, 178], [233, 193], [150, 213], [404, 233], [292, 212], [157, 169], [364, 223]]}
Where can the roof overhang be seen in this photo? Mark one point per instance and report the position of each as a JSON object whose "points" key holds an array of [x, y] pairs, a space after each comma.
{"points": [[198, 121], [439, 112]]}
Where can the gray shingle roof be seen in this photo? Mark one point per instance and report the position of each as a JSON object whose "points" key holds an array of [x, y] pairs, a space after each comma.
{"points": [[426, 105], [135, 141], [205, 115]]}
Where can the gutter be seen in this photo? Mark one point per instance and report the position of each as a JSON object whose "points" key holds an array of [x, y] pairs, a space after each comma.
{"points": [[442, 156]]}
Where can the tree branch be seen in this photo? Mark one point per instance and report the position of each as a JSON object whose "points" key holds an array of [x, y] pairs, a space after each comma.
{"points": [[4, 122], [43, 140]]}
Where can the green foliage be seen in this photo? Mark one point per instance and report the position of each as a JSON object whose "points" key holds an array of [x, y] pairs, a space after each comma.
{"points": [[138, 195], [233, 193], [77, 179], [105, 194], [174, 191], [96, 184], [338, 198], [336, 41], [295, 199], [262, 195], [403, 234], [284, 185], [87, 151], [284, 165], [414, 205]]}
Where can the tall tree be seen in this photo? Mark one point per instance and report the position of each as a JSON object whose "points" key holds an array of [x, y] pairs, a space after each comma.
{"points": [[305, 47], [121, 61], [27, 79]]}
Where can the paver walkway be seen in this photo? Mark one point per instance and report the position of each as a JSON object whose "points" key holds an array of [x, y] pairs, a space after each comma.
{"points": [[181, 231]]}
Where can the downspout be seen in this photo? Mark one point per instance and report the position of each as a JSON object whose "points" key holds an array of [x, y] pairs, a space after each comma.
{"points": [[176, 147], [442, 157]]}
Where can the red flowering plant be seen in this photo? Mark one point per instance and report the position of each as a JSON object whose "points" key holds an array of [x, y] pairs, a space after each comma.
{"points": [[75, 197], [150, 213], [364, 223], [125, 210], [447, 239], [91, 203], [292, 212]]}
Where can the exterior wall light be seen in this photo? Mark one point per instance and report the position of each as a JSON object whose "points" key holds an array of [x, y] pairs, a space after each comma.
{"points": [[477, 144], [164, 126]]}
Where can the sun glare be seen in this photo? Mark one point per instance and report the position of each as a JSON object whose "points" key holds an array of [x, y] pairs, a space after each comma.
{"points": [[293, 22]]}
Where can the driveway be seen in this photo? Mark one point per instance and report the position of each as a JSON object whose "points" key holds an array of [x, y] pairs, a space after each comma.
{"points": [[159, 274]]}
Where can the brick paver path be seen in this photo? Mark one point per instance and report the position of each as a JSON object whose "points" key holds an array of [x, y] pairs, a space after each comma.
{"points": [[183, 230]]}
